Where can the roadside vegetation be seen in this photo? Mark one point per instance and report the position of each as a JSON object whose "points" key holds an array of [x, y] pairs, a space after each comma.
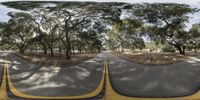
{"points": [[71, 29]]}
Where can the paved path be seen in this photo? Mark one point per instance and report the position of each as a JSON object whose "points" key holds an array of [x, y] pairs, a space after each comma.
{"points": [[1, 67], [56, 81], [127, 78], [1, 73], [138, 80]]}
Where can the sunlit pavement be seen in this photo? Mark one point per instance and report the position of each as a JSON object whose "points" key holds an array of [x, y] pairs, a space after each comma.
{"points": [[124, 80]]}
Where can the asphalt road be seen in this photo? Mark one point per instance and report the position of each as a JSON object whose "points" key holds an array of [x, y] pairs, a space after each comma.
{"points": [[127, 78], [1, 73], [56, 81], [1, 67], [137, 80]]}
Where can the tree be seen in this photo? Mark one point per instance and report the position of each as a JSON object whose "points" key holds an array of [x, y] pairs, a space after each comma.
{"points": [[18, 31], [126, 35], [166, 22], [65, 25], [2, 27], [194, 41], [47, 23]]}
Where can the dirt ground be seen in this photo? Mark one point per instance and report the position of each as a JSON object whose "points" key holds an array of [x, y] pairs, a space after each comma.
{"points": [[40, 59], [155, 58]]}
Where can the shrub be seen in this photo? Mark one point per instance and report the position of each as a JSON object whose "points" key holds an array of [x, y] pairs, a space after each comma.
{"points": [[168, 48]]}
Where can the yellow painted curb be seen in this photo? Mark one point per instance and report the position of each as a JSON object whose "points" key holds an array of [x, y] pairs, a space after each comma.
{"points": [[89, 95], [111, 94], [3, 92]]}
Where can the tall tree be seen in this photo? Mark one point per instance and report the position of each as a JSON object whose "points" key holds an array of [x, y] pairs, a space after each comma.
{"points": [[18, 31], [194, 40], [126, 35], [167, 21]]}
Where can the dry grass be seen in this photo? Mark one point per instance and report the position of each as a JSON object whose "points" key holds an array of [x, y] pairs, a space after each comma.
{"points": [[155, 58], [40, 59]]}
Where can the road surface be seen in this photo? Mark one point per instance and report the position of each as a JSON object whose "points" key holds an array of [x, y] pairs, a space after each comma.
{"points": [[127, 78], [55, 81], [137, 80], [1, 67]]}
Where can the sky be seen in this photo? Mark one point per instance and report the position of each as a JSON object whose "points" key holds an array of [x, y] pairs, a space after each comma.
{"points": [[195, 18]]}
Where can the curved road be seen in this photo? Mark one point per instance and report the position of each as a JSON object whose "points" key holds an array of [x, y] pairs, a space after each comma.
{"points": [[127, 78], [55, 81], [1, 67], [137, 80]]}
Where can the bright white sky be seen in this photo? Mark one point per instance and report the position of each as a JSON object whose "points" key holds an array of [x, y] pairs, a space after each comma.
{"points": [[195, 18]]}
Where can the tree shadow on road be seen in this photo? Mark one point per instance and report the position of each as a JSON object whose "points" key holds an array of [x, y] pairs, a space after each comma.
{"points": [[138, 80], [55, 80]]}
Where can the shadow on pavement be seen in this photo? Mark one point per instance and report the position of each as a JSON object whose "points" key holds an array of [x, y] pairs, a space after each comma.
{"points": [[55, 80], [136, 80]]}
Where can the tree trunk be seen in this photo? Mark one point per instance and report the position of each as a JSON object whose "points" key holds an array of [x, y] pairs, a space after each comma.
{"points": [[73, 50], [45, 51], [44, 48], [99, 50], [59, 48], [36, 47], [181, 49], [79, 49], [67, 51], [67, 54], [22, 48], [51, 50], [51, 46], [22, 51], [67, 46]]}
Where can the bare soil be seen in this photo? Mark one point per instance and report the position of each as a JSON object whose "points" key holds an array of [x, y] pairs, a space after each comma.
{"points": [[156, 58], [41, 59]]}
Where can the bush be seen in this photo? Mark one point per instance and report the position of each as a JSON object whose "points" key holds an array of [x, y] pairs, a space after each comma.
{"points": [[168, 48]]}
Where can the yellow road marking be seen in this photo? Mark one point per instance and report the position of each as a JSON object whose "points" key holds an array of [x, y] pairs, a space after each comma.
{"points": [[3, 92], [111, 94], [89, 95]]}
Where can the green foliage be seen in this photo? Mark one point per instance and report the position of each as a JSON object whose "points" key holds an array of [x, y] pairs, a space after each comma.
{"points": [[152, 45], [155, 12], [195, 30], [79, 26], [194, 37], [168, 48], [126, 35], [167, 22], [18, 31], [67, 26]]}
